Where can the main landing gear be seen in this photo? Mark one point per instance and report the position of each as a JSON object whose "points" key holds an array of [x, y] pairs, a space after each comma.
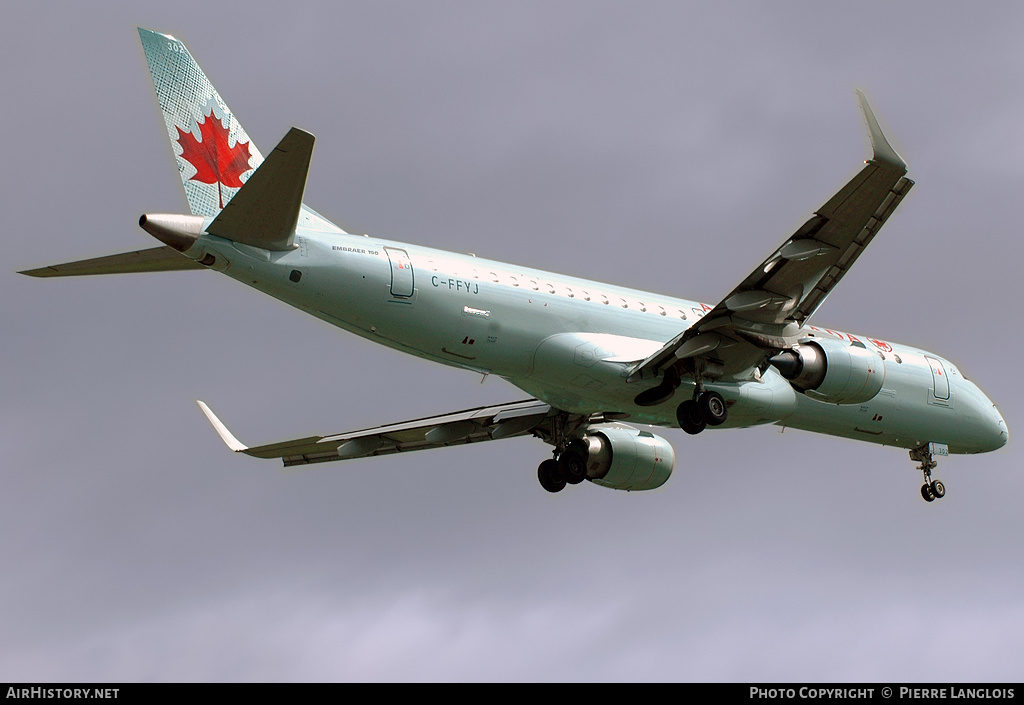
{"points": [[705, 409], [569, 468], [931, 490]]}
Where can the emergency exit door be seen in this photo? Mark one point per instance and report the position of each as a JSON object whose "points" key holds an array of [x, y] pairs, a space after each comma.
{"points": [[402, 283]]}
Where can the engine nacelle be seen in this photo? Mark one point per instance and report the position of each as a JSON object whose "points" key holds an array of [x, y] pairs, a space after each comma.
{"points": [[626, 458], [828, 370]]}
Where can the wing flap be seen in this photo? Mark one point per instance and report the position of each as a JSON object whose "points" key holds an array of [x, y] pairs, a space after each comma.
{"points": [[791, 284], [850, 249], [470, 426]]}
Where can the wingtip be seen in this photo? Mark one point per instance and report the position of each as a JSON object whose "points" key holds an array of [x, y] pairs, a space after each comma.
{"points": [[881, 150], [225, 435]]}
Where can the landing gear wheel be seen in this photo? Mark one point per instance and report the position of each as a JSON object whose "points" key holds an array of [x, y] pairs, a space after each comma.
{"points": [[931, 490], [690, 417], [713, 408], [550, 477], [573, 467]]}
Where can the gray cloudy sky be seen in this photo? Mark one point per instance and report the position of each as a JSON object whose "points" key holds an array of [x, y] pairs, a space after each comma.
{"points": [[661, 145]]}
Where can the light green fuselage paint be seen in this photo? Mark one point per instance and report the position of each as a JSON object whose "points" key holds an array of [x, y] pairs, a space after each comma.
{"points": [[572, 342]]}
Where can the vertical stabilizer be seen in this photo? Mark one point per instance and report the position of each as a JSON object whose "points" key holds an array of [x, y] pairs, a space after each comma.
{"points": [[214, 154]]}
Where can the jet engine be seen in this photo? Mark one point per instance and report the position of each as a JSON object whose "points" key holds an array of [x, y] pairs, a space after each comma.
{"points": [[626, 458], [831, 371]]}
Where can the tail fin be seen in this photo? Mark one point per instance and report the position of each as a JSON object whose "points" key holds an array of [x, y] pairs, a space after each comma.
{"points": [[214, 154]]}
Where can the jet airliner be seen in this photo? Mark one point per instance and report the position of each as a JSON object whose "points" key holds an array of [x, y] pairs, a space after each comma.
{"points": [[591, 356]]}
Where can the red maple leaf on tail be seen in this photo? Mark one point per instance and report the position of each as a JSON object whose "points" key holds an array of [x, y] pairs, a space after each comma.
{"points": [[215, 162]]}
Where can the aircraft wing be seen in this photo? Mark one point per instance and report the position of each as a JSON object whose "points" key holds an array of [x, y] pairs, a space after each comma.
{"points": [[782, 293], [485, 423]]}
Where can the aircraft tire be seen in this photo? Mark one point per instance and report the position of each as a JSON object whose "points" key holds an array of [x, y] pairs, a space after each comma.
{"points": [[550, 477], [573, 467], [927, 493], [938, 489], [713, 408], [690, 418]]}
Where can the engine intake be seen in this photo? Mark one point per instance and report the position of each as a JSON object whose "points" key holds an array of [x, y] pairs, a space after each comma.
{"points": [[827, 370], [626, 458]]}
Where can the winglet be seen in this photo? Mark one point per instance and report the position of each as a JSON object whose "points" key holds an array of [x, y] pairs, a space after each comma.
{"points": [[225, 435], [880, 147]]}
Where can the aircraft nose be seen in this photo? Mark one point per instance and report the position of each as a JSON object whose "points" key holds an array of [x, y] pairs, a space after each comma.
{"points": [[992, 434], [999, 435], [983, 426]]}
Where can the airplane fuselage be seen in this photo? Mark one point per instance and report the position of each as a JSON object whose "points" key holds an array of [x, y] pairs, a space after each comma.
{"points": [[571, 342]]}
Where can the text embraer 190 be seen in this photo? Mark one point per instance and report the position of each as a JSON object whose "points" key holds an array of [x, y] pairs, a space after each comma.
{"points": [[590, 355]]}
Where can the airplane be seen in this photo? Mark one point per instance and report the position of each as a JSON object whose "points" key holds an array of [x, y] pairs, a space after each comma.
{"points": [[589, 355]]}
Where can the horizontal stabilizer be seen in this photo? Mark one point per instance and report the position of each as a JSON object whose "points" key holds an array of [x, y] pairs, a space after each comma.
{"points": [[158, 259], [265, 210]]}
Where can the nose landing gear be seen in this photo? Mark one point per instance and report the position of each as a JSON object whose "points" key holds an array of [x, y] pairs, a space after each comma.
{"points": [[931, 490]]}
